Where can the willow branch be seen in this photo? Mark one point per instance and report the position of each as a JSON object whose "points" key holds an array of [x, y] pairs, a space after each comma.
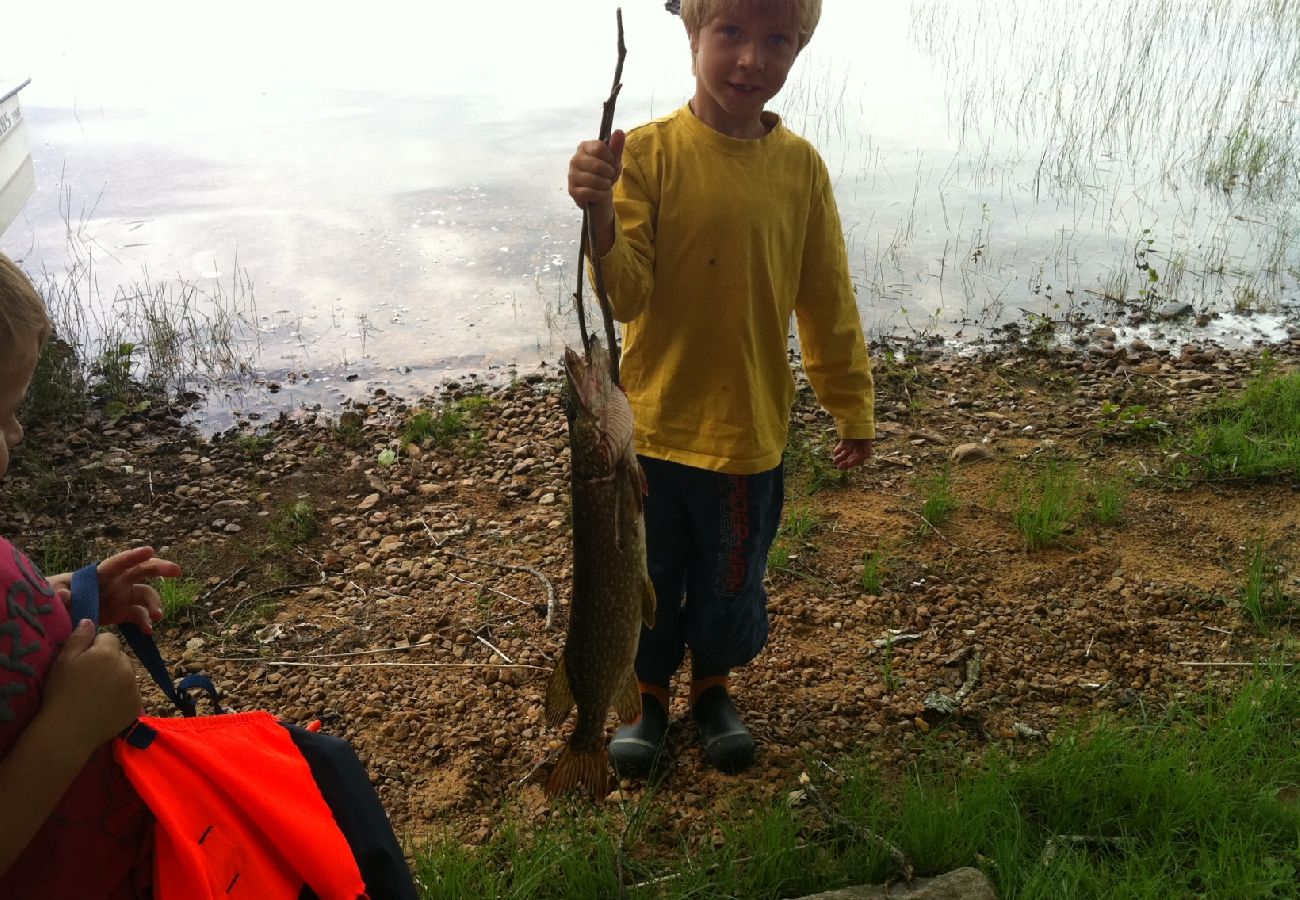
{"points": [[588, 241]]}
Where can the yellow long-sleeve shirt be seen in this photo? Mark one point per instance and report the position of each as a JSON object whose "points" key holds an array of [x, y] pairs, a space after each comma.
{"points": [[717, 242]]}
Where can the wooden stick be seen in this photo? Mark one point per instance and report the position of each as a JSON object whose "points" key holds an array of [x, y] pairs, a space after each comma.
{"points": [[377, 665], [546, 582], [587, 243]]}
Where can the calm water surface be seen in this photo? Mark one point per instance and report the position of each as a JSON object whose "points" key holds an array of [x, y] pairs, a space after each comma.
{"points": [[391, 179]]}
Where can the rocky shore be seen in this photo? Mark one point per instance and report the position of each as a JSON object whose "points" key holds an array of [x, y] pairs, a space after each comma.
{"points": [[402, 597]]}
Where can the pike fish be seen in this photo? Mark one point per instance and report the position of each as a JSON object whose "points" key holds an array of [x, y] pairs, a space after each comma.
{"points": [[612, 592]]}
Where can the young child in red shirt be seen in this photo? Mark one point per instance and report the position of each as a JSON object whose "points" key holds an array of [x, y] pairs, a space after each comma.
{"points": [[71, 825]]}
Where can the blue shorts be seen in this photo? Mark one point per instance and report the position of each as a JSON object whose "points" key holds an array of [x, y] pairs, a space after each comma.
{"points": [[707, 537]]}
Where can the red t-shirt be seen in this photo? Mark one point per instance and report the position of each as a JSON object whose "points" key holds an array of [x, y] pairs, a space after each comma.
{"points": [[97, 843]]}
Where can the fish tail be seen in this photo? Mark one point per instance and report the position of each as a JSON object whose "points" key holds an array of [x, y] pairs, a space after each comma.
{"points": [[576, 769]]}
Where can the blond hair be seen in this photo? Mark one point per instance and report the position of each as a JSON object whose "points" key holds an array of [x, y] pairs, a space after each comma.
{"points": [[698, 13], [22, 311]]}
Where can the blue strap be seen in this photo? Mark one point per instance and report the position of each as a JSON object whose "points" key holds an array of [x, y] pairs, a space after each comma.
{"points": [[85, 594], [85, 605]]}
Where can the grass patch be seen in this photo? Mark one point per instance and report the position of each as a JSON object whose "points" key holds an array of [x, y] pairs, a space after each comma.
{"points": [[1198, 801], [897, 377], [178, 595], [58, 387], [295, 524], [254, 445], [808, 462], [1255, 435], [1046, 505], [1263, 598], [1107, 502], [872, 564], [145, 343], [61, 552], [443, 427], [1259, 161], [1132, 422], [798, 526], [939, 503]]}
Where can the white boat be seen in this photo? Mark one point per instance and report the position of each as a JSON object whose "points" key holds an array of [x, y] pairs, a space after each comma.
{"points": [[17, 177]]}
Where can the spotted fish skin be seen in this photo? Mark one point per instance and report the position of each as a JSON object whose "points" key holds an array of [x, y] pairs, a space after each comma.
{"points": [[612, 592]]}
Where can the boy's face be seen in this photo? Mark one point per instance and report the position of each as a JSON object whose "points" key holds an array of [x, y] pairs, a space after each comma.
{"points": [[15, 376], [742, 58]]}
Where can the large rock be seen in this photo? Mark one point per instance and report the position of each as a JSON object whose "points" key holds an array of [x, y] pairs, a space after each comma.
{"points": [[969, 453], [959, 884]]}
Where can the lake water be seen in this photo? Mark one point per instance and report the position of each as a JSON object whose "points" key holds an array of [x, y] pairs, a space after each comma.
{"points": [[391, 179]]}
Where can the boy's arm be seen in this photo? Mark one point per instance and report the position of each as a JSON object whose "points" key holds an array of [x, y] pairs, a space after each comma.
{"points": [[830, 327], [629, 264], [34, 775], [90, 696]]}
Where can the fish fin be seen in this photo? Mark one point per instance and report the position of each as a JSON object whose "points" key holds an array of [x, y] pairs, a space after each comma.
{"points": [[588, 771], [628, 702], [648, 602], [640, 488], [559, 698]]}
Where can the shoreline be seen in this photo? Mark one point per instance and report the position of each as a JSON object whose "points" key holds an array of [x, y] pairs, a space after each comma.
{"points": [[1149, 335]]}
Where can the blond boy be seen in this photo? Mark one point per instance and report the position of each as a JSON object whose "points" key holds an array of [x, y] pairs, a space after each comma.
{"points": [[715, 225]]}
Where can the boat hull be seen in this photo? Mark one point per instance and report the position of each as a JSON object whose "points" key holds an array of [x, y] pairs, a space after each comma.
{"points": [[17, 176]]}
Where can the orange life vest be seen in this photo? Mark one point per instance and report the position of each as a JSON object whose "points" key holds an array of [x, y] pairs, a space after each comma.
{"points": [[238, 812]]}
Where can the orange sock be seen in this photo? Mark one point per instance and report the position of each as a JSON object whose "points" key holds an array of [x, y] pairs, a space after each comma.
{"points": [[700, 685], [659, 692]]}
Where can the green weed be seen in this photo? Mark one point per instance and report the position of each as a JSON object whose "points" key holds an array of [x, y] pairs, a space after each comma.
{"points": [[255, 445], [1263, 598], [178, 595], [800, 522], [939, 503], [295, 524], [1107, 502], [61, 552], [140, 344], [58, 387], [1131, 422], [1255, 435], [1047, 504], [888, 679], [1249, 158], [444, 427], [796, 530], [808, 462], [872, 564]]}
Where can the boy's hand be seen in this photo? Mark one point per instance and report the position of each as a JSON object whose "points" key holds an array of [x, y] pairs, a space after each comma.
{"points": [[594, 169], [91, 689], [592, 173], [122, 595], [851, 452]]}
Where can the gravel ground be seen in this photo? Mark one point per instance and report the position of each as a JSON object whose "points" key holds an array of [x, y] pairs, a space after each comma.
{"points": [[413, 621]]}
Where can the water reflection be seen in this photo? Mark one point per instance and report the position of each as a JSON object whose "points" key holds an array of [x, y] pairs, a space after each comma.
{"points": [[394, 186]]}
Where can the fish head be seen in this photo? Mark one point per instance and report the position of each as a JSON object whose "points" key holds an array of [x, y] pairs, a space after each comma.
{"points": [[600, 425]]}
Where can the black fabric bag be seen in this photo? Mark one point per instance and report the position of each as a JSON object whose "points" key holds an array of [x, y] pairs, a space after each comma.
{"points": [[346, 787]]}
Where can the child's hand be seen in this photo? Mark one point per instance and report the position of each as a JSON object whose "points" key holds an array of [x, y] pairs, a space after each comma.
{"points": [[91, 691], [592, 173], [123, 597], [851, 452]]}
